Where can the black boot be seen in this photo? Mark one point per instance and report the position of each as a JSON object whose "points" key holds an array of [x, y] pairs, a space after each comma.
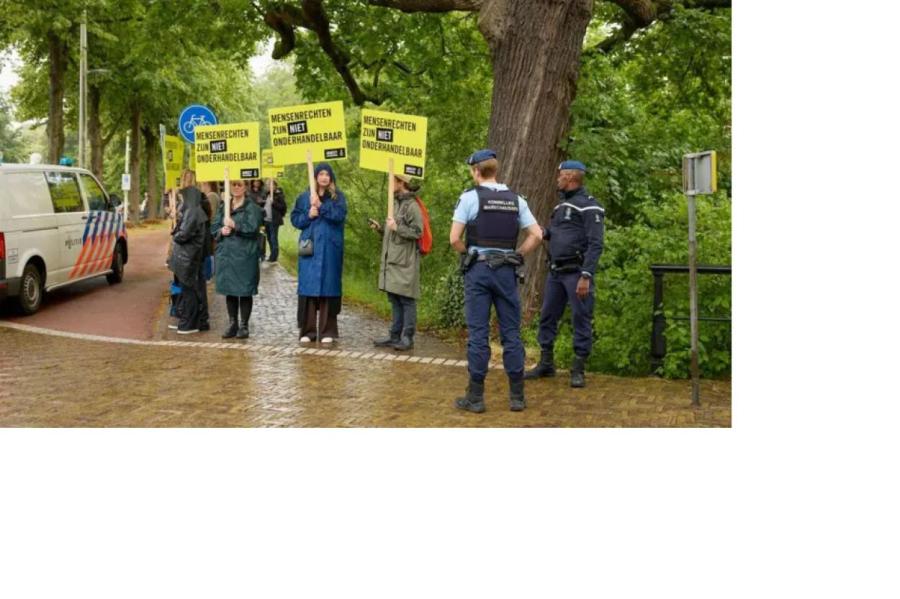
{"points": [[232, 329], [517, 395], [544, 367], [577, 372], [406, 341], [388, 341], [473, 400], [243, 331]]}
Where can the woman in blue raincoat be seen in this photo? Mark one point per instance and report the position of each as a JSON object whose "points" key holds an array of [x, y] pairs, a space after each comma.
{"points": [[320, 216]]}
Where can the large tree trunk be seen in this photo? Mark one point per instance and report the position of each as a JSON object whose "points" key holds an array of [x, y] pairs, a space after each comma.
{"points": [[95, 133], [134, 196], [151, 145], [535, 51], [58, 63]]}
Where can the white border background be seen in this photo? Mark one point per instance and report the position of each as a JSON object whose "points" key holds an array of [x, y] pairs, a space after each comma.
{"points": [[797, 500]]}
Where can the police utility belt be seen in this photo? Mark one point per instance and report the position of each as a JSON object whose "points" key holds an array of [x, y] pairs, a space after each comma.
{"points": [[567, 264], [494, 261]]}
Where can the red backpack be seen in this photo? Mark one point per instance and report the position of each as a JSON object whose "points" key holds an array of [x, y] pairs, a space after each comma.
{"points": [[425, 240]]}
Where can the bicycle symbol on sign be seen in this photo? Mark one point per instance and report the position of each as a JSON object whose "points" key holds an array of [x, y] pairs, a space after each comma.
{"points": [[197, 120]]}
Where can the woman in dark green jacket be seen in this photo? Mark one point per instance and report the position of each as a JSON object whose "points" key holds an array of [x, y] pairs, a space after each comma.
{"points": [[237, 258]]}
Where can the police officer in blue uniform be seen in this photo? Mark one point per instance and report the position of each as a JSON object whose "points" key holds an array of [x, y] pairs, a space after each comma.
{"points": [[491, 215], [576, 242]]}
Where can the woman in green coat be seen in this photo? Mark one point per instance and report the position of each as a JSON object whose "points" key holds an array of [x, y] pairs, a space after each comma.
{"points": [[237, 258]]}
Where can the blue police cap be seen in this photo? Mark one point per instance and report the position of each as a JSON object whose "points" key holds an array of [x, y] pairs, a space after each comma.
{"points": [[481, 156], [573, 165]]}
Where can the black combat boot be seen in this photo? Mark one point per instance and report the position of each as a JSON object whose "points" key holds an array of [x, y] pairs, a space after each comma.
{"points": [[243, 331], [577, 372], [406, 341], [388, 341], [544, 367], [232, 329], [473, 400], [517, 395]]}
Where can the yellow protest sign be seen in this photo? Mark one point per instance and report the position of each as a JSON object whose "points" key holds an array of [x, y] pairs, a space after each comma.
{"points": [[269, 168], [234, 146], [316, 127], [174, 160], [387, 135]]}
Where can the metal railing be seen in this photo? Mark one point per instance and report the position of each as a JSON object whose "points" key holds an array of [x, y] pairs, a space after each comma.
{"points": [[658, 336]]}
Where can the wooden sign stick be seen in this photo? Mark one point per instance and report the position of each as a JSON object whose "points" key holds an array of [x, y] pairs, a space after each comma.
{"points": [[226, 196], [390, 211], [312, 176]]}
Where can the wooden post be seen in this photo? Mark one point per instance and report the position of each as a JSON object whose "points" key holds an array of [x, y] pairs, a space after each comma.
{"points": [[226, 196], [390, 210], [312, 176]]}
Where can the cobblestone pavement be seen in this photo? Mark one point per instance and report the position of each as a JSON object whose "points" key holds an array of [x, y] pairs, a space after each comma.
{"points": [[56, 380], [274, 322], [65, 377]]}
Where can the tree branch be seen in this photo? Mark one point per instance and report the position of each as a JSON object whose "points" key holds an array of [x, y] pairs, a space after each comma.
{"points": [[311, 15], [640, 14], [429, 5]]}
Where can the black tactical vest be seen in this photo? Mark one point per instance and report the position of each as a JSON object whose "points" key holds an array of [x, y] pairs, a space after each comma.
{"points": [[497, 223]]}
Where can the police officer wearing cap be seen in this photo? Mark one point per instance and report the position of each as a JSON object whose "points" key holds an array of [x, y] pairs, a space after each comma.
{"points": [[576, 241], [491, 215]]}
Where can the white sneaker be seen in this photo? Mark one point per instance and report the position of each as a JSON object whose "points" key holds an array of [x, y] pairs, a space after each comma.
{"points": [[188, 331], [305, 339], [174, 327], [327, 340]]}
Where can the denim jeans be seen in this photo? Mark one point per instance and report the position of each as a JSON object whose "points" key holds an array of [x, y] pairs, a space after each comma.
{"points": [[403, 310]]}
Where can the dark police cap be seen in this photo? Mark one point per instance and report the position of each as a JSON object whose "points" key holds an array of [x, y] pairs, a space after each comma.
{"points": [[573, 165], [481, 156]]}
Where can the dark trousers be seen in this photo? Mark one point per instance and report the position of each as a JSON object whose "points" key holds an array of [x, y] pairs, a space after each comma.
{"points": [[558, 292], [403, 310], [272, 235], [203, 308], [261, 240], [245, 304], [317, 317], [189, 306], [486, 287]]}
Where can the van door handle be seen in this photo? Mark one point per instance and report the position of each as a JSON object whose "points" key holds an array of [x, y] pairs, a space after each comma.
{"points": [[85, 217]]}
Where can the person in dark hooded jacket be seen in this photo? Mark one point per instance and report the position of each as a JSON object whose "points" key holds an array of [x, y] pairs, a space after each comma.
{"points": [[320, 216], [274, 212], [189, 247]]}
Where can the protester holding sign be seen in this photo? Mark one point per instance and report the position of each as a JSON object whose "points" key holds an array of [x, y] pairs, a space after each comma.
{"points": [[399, 272], [320, 215], [237, 265]]}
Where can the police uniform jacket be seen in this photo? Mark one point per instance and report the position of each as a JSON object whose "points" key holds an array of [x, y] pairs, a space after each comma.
{"points": [[576, 230]]}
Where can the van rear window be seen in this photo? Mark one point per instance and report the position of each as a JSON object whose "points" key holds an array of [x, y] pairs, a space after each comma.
{"points": [[28, 194], [64, 192]]}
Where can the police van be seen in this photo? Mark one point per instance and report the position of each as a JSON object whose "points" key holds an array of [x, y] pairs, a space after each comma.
{"points": [[57, 227]]}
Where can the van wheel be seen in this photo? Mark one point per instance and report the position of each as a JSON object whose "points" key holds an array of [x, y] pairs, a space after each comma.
{"points": [[32, 291], [118, 267]]}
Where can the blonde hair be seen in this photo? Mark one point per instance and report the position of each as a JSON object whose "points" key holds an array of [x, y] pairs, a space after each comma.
{"points": [[188, 178]]}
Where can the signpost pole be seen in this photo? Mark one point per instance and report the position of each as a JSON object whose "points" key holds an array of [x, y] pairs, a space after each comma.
{"points": [[390, 210], [692, 276], [127, 172]]}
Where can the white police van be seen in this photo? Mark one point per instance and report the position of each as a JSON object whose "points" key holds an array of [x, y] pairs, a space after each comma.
{"points": [[57, 226]]}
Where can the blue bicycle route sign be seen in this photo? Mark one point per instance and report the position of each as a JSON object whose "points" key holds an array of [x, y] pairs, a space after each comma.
{"points": [[194, 116]]}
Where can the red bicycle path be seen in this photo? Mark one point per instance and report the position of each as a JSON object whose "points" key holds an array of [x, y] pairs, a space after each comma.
{"points": [[128, 310]]}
